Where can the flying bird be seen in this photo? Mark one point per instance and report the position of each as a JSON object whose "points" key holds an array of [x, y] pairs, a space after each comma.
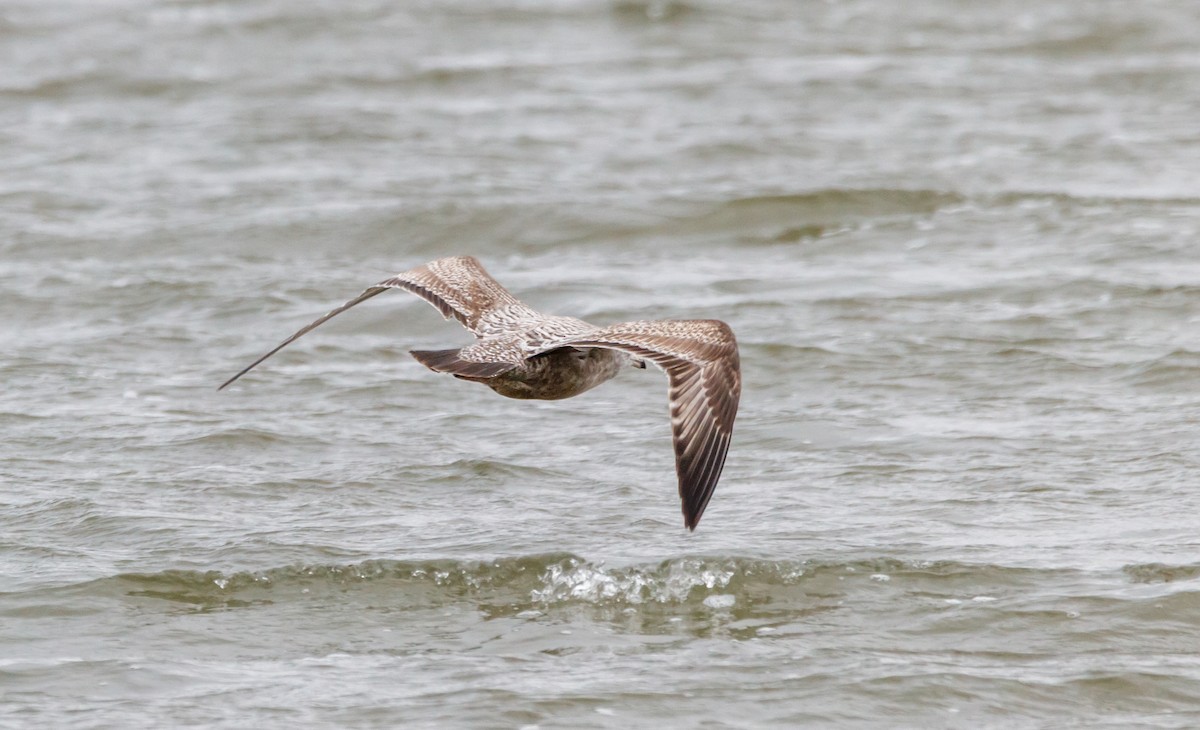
{"points": [[522, 353]]}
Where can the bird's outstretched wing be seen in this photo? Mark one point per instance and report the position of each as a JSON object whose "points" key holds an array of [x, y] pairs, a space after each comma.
{"points": [[457, 286], [700, 358]]}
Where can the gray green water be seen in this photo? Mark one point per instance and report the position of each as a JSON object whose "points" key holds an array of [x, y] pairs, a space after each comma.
{"points": [[959, 245]]}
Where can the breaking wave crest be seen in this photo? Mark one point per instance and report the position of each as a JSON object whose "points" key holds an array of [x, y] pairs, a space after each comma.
{"points": [[561, 580]]}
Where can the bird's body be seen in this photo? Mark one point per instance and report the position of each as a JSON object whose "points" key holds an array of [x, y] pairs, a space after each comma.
{"points": [[558, 374], [550, 374], [521, 353]]}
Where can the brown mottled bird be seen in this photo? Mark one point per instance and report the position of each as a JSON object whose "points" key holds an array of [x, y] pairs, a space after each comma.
{"points": [[521, 353]]}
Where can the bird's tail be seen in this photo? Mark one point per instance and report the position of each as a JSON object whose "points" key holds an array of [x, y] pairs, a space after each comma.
{"points": [[448, 361]]}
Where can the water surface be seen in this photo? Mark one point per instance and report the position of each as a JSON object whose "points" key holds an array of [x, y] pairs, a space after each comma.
{"points": [[957, 243]]}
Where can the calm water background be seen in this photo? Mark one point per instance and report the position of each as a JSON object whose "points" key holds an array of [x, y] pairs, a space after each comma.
{"points": [[958, 242]]}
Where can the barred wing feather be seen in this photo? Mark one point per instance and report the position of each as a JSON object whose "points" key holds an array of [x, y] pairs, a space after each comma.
{"points": [[457, 286], [701, 360]]}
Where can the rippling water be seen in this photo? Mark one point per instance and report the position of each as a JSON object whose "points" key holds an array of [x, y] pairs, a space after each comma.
{"points": [[958, 243]]}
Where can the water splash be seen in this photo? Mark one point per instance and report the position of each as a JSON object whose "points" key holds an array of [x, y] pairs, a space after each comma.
{"points": [[672, 581]]}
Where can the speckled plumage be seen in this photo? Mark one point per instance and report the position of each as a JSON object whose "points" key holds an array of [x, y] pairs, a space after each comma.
{"points": [[521, 353]]}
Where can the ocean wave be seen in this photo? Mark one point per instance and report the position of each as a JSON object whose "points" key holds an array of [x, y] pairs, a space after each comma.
{"points": [[1064, 198], [1161, 573], [552, 580], [234, 436], [819, 209], [1176, 367]]}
